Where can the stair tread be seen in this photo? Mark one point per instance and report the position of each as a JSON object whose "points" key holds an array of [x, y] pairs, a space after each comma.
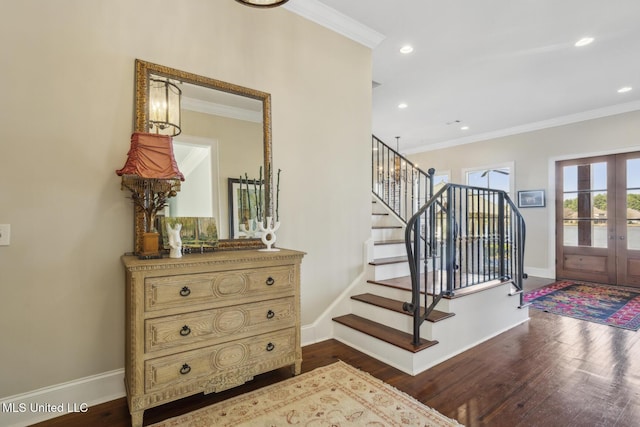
{"points": [[390, 260], [384, 227], [395, 305], [403, 282], [385, 333], [380, 213]]}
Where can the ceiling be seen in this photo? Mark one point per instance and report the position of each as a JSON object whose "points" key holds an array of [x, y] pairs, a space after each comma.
{"points": [[499, 67]]}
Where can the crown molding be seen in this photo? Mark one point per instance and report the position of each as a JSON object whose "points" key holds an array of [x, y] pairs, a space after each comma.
{"points": [[330, 18], [530, 127], [206, 107]]}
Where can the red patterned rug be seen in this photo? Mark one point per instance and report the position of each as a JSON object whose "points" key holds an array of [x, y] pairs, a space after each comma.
{"points": [[609, 305]]}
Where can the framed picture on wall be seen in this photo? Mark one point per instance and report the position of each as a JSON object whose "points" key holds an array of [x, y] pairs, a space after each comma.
{"points": [[531, 199], [246, 201]]}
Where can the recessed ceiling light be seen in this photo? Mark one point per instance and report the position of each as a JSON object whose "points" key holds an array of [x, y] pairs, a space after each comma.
{"points": [[584, 41], [406, 49], [625, 89], [402, 105], [464, 128]]}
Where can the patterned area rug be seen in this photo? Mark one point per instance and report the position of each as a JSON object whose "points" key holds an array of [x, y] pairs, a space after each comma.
{"points": [[610, 305], [334, 395]]}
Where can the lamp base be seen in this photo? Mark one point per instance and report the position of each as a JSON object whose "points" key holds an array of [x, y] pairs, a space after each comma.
{"points": [[150, 246]]}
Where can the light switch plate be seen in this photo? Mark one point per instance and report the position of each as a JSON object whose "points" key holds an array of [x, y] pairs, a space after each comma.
{"points": [[5, 234]]}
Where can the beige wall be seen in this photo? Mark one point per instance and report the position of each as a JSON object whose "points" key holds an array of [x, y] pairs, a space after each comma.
{"points": [[534, 155], [67, 114]]}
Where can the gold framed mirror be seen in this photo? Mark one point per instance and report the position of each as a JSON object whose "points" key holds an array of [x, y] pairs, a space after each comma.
{"points": [[255, 107]]}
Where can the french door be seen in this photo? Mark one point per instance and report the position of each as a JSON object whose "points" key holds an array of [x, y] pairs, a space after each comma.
{"points": [[598, 219]]}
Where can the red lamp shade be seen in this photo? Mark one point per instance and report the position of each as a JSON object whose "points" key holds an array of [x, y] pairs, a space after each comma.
{"points": [[151, 156]]}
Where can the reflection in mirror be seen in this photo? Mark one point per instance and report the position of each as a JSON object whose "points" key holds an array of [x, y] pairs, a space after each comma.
{"points": [[225, 133]]}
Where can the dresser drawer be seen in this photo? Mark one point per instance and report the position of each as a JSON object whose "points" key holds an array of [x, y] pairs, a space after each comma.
{"points": [[222, 366], [219, 324], [217, 288]]}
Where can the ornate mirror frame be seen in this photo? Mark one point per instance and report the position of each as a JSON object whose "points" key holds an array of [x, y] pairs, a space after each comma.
{"points": [[143, 71]]}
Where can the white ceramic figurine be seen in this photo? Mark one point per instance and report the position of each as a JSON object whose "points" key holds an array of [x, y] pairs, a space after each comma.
{"points": [[175, 243]]}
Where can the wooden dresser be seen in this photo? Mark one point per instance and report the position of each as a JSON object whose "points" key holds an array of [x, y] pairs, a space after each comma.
{"points": [[208, 322]]}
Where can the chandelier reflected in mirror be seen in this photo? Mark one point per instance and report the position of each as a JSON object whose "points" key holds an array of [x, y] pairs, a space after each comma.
{"points": [[164, 107], [263, 3]]}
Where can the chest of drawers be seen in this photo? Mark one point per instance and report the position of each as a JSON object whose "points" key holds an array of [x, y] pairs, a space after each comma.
{"points": [[208, 322]]}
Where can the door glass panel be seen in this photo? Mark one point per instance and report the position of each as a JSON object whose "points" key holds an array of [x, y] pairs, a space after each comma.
{"points": [[633, 234], [570, 178], [570, 232], [585, 205], [633, 204], [599, 176], [586, 233], [633, 173], [633, 212], [599, 234]]}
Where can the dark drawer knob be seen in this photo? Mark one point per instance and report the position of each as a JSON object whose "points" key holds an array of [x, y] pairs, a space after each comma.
{"points": [[185, 331], [185, 369], [185, 291], [270, 281], [270, 346], [270, 314]]}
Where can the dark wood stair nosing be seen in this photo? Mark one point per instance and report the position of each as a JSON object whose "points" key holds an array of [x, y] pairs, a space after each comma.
{"points": [[390, 260], [384, 333], [388, 242]]}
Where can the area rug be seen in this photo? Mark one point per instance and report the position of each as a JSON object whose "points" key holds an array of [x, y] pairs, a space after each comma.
{"points": [[334, 395], [610, 305]]}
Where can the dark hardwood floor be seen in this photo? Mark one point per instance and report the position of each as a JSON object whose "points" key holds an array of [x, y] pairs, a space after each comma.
{"points": [[551, 371]]}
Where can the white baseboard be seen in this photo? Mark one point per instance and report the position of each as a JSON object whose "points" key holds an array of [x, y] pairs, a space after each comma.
{"points": [[547, 273], [61, 399]]}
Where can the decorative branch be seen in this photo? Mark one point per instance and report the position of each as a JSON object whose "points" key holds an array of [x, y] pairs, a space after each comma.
{"points": [[150, 195], [278, 197]]}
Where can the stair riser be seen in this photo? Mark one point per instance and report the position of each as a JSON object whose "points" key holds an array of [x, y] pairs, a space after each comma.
{"points": [[382, 234], [383, 220], [387, 292], [389, 251], [390, 271], [390, 354], [399, 321], [401, 295]]}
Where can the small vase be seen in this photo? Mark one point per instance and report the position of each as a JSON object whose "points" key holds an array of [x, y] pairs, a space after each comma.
{"points": [[150, 245], [269, 234]]}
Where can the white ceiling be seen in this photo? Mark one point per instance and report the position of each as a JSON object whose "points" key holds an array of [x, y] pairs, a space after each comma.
{"points": [[498, 66]]}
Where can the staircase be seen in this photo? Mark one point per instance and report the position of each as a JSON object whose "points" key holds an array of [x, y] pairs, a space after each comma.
{"points": [[389, 269], [380, 321]]}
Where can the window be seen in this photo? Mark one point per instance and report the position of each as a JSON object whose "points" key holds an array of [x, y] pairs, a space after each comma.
{"points": [[440, 179], [498, 177]]}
